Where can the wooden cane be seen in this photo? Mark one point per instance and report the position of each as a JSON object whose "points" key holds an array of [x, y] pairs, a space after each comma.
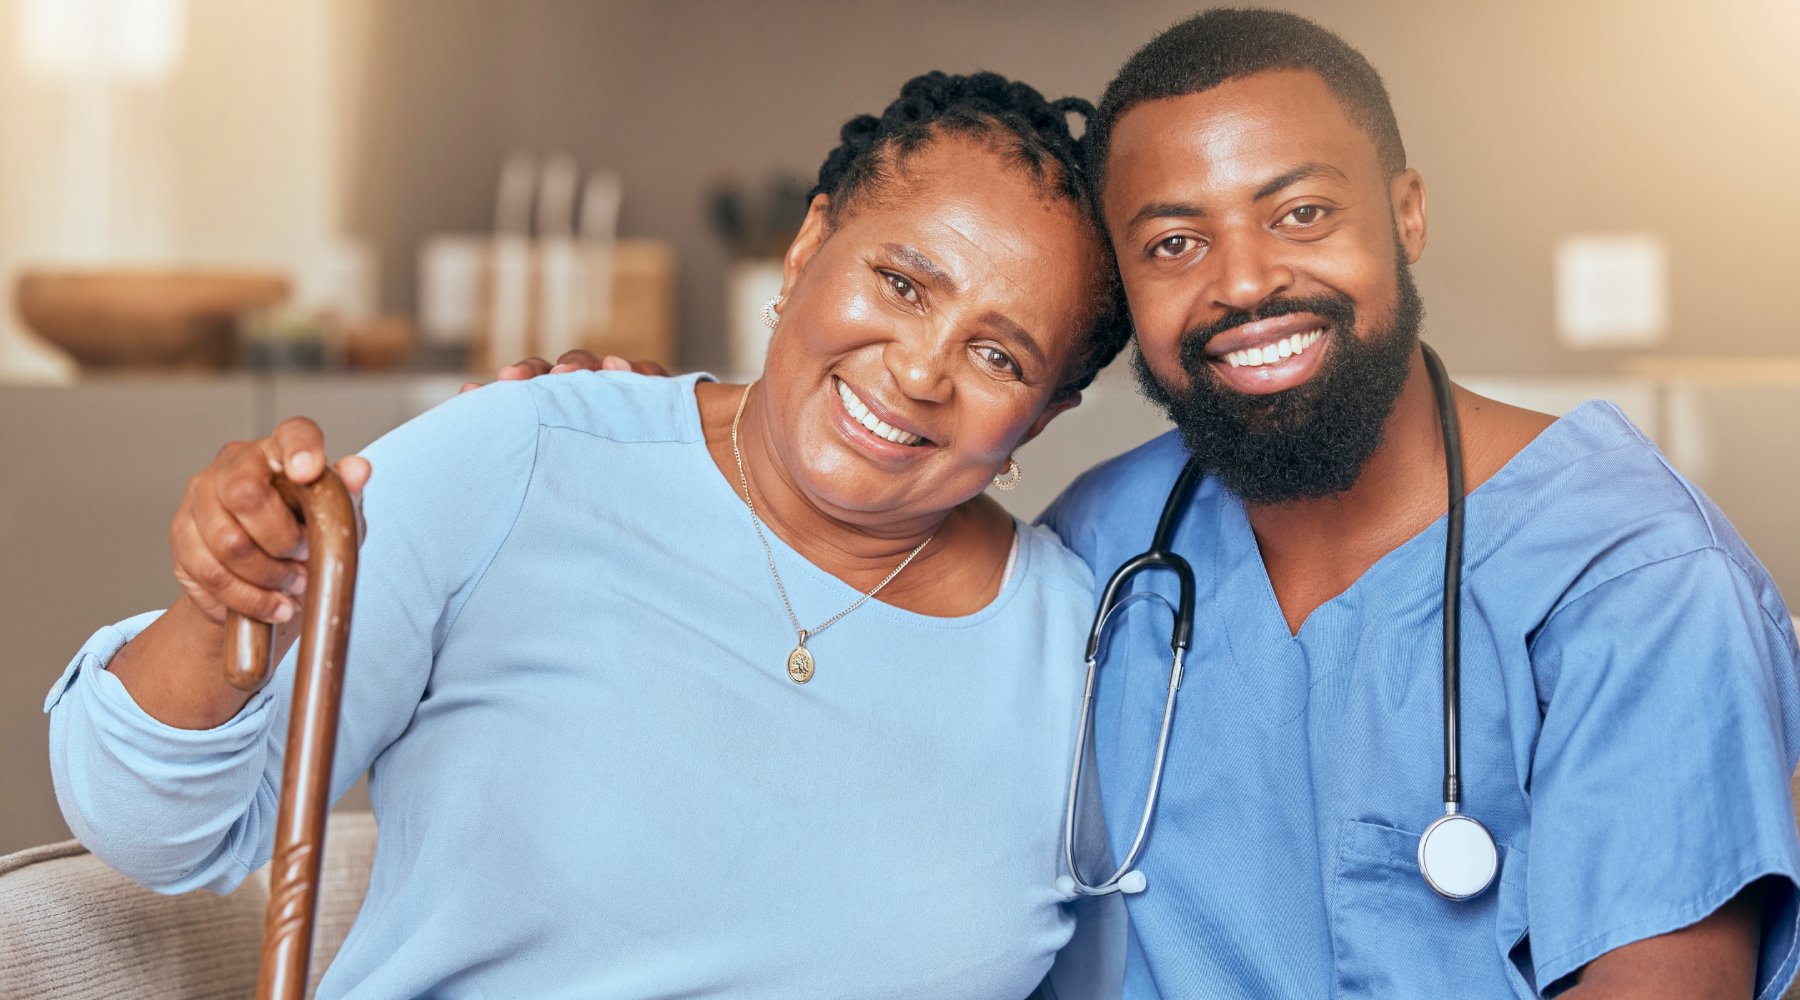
{"points": [[331, 539]]}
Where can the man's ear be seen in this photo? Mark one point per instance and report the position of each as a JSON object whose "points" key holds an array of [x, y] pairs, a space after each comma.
{"points": [[1406, 195], [1062, 404], [813, 230]]}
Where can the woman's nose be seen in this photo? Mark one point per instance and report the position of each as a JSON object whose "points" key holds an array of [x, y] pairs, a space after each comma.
{"points": [[920, 367]]}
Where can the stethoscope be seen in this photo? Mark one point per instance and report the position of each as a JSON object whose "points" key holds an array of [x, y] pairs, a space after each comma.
{"points": [[1457, 855]]}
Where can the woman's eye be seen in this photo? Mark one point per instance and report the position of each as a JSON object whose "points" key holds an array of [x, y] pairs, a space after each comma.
{"points": [[1172, 246], [998, 360], [1305, 215], [901, 286]]}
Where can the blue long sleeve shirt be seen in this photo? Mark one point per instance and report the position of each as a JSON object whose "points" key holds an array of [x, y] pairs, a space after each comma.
{"points": [[591, 772]]}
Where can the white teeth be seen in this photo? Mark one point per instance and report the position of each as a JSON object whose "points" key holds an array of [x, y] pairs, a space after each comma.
{"points": [[877, 427], [1287, 347]]}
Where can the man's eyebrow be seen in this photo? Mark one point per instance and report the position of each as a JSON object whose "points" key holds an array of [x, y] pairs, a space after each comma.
{"points": [[1189, 210], [1303, 172], [1166, 210], [913, 258]]}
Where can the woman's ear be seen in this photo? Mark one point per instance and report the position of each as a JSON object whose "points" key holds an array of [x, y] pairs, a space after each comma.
{"points": [[813, 230], [1062, 404]]}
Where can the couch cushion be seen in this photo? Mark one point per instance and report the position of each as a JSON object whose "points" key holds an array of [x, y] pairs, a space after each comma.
{"points": [[73, 929]]}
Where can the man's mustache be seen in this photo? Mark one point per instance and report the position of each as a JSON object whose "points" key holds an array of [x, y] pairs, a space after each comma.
{"points": [[1335, 309]]}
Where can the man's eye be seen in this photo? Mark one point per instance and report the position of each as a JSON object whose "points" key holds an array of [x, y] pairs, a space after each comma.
{"points": [[901, 286], [1172, 246], [1305, 215], [998, 360]]}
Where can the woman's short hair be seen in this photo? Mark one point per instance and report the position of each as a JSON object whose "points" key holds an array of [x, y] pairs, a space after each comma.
{"points": [[1012, 119]]}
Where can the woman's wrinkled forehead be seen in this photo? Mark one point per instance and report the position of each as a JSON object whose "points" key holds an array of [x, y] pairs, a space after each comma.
{"points": [[958, 217], [890, 167]]}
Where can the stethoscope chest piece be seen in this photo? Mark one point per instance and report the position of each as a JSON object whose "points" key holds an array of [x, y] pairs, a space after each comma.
{"points": [[1457, 856]]}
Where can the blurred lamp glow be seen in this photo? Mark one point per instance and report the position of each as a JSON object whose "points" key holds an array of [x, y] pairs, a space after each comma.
{"points": [[1612, 290], [137, 40]]}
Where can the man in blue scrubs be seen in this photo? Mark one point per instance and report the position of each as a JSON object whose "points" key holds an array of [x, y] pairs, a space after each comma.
{"points": [[1629, 696]]}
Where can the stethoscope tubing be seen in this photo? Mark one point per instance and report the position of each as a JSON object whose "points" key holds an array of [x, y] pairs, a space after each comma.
{"points": [[1453, 560], [1160, 556]]}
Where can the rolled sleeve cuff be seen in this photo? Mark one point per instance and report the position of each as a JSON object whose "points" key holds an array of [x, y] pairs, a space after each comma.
{"points": [[169, 807], [118, 715], [98, 651]]}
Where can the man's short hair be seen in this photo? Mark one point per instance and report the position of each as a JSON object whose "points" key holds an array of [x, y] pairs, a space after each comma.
{"points": [[1217, 46]]}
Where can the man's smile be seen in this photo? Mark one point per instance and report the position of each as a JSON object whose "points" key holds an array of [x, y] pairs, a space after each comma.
{"points": [[1253, 357], [1270, 355]]}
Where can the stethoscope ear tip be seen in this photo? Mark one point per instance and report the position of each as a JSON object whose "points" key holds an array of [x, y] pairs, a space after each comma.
{"points": [[1130, 883]]}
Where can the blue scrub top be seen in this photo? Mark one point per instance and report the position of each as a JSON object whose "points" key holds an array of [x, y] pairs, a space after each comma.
{"points": [[1630, 712]]}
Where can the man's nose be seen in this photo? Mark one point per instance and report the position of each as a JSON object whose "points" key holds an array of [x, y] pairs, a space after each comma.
{"points": [[1245, 274]]}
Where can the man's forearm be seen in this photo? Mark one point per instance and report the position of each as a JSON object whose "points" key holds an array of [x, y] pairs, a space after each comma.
{"points": [[1714, 959]]}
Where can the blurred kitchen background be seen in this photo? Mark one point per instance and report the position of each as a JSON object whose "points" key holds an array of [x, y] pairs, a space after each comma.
{"points": [[217, 213]]}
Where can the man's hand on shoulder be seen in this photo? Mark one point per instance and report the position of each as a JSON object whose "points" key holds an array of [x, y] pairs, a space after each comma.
{"points": [[571, 361]]}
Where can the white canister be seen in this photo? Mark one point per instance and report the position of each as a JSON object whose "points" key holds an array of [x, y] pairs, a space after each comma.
{"points": [[751, 282]]}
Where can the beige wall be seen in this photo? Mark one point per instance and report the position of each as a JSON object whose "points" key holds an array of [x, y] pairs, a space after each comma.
{"points": [[1528, 119], [237, 156]]}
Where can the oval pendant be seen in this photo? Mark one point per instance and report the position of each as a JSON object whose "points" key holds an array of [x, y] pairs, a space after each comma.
{"points": [[800, 665]]}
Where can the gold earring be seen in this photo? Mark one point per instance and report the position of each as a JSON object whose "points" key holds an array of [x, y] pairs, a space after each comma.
{"points": [[768, 312], [1010, 478]]}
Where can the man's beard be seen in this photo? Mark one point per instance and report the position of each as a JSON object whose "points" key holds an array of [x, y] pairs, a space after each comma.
{"points": [[1309, 441]]}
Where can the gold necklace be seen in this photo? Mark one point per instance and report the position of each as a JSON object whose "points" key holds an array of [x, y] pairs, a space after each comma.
{"points": [[800, 662]]}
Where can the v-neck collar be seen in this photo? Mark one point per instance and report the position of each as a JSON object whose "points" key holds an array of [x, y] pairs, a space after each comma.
{"points": [[1239, 544]]}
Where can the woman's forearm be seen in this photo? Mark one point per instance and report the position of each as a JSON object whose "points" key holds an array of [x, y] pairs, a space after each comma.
{"points": [[176, 807], [175, 669]]}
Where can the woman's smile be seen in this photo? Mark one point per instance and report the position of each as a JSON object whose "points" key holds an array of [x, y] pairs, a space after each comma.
{"points": [[874, 429]]}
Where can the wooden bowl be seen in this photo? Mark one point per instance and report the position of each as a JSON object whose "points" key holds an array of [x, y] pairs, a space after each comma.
{"points": [[144, 318]]}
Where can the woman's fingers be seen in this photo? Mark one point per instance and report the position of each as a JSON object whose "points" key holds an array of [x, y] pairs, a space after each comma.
{"points": [[614, 363], [354, 470], [529, 368], [243, 516], [576, 360], [236, 544], [214, 589], [248, 552], [298, 448]]}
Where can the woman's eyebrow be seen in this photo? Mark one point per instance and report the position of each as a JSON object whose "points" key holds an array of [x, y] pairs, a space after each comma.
{"points": [[911, 256], [1008, 329], [1014, 334]]}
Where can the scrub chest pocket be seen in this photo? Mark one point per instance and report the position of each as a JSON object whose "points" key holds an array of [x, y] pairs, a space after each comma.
{"points": [[1394, 938]]}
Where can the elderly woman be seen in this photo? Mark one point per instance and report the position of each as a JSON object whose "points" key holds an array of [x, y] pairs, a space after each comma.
{"points": [[671, 688]]}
